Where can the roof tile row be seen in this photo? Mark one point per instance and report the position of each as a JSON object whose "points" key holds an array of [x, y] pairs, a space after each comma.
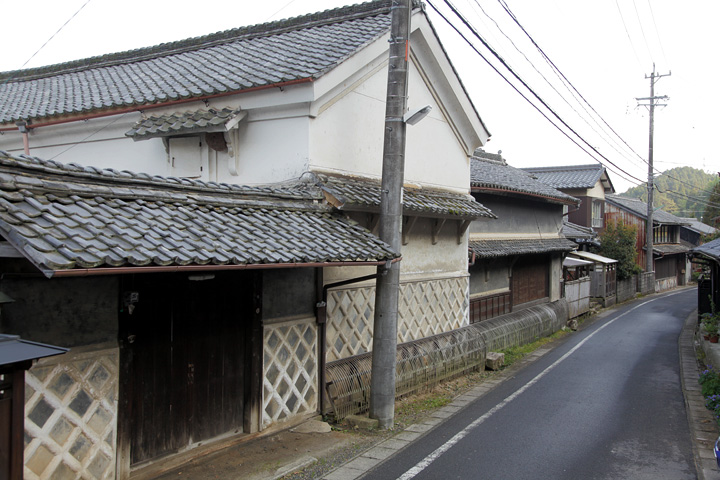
{"points": [[490, 173], [65, 219], [508, 247], [262, 55]]}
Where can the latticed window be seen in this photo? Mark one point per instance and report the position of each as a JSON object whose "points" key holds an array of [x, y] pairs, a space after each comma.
{"points": [[664, 234]]}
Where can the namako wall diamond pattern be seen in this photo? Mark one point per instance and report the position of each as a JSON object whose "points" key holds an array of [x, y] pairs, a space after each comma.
{"points": [[289, 370], [426, 308], [71, 416]]}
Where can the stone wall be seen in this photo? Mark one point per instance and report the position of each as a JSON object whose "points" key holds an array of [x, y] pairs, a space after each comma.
{"points": [[646, 283], [627, 288]]}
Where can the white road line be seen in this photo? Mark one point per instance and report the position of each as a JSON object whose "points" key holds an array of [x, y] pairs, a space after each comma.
{"points": [[424, 463]]}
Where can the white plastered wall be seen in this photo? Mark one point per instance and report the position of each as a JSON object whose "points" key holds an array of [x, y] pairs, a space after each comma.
{"points": [[346, 138]]}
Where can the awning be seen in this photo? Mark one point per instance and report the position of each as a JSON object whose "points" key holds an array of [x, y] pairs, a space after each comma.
{"points": [[14, 349], [507, 247], [593, 257], [575, 262]]}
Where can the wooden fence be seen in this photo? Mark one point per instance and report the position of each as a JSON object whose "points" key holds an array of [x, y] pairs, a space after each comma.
{"points": [[577, 295]]}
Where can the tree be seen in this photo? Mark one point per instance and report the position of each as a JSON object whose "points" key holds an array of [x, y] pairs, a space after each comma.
{"points": [[712, 209], [618, 242], [681, 191]]}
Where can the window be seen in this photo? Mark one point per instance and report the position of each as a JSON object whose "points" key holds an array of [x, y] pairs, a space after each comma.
{"points": [[664, 234], [185, 157], [597, 214]]}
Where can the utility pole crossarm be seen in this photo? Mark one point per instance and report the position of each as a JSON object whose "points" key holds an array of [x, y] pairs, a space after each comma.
{"points": [[661, 97]]}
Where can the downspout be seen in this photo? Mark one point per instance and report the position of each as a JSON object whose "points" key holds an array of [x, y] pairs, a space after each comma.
{"points": [[322, 331], [23, 128]]}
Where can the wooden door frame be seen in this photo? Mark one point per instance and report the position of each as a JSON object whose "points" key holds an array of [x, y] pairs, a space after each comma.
{"points": [[253, 360]]}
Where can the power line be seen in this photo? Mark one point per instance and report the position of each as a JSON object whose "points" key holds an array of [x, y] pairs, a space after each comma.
{"points": [[558, 74], [517, 77], [657, 32], [632, 45], [568, 84], [642, 30], [513, 86], [54, 34]]}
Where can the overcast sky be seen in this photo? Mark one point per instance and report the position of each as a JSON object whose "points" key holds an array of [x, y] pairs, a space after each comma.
{"points": [[605, 48]]}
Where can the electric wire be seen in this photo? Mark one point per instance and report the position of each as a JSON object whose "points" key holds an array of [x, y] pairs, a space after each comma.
{"points": [[88, 136], [657, 32], [54, 34], [474, 48], [505, 64], [553, 69], [567, 82], [642, 30], [632, 45]]}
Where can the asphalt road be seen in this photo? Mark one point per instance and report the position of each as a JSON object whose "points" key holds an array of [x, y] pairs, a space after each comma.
{"points": [[605, 404]]}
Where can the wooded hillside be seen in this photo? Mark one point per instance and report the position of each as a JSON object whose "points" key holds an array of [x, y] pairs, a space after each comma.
{"points": [[681, 191]]}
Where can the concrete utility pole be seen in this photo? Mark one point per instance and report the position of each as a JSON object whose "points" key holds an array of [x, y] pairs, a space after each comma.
{"points": [[382, 383], [652, 99]]}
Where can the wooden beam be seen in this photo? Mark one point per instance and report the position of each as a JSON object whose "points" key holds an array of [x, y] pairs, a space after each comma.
{"points": [[254, 357], [407, 228], [462, 228], [374, 222], [436, 227]]}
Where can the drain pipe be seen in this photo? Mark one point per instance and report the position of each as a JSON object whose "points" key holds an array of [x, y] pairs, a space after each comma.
{"points": [[23, 128], [321, 312]]}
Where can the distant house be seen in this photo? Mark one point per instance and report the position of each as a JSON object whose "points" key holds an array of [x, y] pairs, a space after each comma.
{"points": [[294, 111], [588, 183], [516, 259], [692, 233], [709, 256], [670, 256]]}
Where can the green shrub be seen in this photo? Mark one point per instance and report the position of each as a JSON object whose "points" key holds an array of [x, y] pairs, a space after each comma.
{"points": [[710, 382]]}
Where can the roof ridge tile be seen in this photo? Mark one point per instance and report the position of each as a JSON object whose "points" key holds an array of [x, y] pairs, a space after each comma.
{"points": [[329, 16]]}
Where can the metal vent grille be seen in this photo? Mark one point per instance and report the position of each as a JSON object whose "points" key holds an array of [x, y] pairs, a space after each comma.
{"points": [[424, 363]]}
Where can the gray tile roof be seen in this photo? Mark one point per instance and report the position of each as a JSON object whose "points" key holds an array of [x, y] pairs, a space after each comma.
{"points": [[573, 230], [489, 173], [639, 208], [710, 249], [364, 195], [698, 226], [501, 248], [182, 123], [292, 50], [64, 217], [575, 176], [670, 248]]}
